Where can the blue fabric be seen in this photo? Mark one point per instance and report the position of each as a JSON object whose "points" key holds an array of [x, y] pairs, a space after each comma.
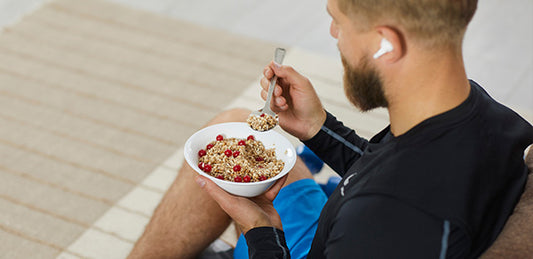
{"points": [[311, 160], [299, 205]]}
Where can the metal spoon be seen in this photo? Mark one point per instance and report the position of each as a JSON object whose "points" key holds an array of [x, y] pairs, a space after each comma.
{"points": [[278, 58]]}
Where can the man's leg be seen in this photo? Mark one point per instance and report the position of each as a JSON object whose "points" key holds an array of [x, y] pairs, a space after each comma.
{"points": [[187, 220]]}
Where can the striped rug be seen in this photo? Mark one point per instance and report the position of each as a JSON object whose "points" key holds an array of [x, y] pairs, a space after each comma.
{"points": [[96, 101], [93, 98]]}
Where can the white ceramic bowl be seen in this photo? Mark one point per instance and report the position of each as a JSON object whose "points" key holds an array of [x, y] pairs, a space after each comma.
{"points": [[271, 139]]}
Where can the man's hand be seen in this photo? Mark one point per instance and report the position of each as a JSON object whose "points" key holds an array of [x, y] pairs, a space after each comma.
{"points": [[247, 213], [295, 101]]}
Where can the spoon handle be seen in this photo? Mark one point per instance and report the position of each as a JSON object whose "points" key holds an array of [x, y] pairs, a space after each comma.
{"points": [[278, 58]]}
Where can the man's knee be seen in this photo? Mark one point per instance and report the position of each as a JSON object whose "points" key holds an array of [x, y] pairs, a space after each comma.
{"points": [[231, 115]]}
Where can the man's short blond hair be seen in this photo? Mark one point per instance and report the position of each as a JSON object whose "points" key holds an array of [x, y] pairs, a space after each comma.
{"points": [[430, 22]]}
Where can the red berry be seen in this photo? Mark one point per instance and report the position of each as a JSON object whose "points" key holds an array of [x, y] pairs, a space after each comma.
{"points": [[220, 137], [209, 146], [246, 178], [201, 166], [238, 179], [221, 177], [259, 159], [227, 152], [202, 153], [236, 153], [207, 168], [262, 115], [242, 143], [262, 178], [250, 137], [237, 168]]}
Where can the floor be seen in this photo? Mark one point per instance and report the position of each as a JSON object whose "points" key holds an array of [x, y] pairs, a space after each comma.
{"points": [[103, 222], [96, 101], [497, 47]]}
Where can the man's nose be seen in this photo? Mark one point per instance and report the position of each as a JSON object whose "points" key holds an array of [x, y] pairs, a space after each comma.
{"points": [[333, 30]]}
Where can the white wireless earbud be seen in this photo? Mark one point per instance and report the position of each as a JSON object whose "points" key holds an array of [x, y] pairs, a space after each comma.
{"points": [[386, 47]]}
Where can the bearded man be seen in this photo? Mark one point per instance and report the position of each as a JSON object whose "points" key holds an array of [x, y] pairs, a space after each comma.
{"points": [[439, 182]]}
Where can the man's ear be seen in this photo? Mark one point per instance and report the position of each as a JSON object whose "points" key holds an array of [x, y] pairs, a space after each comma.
{"points": [[391, 45]]}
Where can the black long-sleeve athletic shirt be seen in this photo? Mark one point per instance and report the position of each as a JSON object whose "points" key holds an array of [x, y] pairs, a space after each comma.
{"points": [[444, 189]]}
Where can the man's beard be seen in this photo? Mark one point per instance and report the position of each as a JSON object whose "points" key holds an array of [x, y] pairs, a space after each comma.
{"points": [[363, 86]]}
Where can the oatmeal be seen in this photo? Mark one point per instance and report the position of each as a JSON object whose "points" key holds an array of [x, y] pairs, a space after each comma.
{"points": [[263, 122], [239, 160]]}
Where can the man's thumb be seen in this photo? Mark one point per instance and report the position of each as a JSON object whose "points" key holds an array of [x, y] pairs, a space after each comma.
{"points": [[276, 68], [218, 194]]}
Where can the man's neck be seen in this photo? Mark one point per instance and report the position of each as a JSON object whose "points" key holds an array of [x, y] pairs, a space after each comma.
{"points": [[423, 87]]}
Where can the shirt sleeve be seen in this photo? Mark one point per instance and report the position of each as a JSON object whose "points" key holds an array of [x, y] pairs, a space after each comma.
{"points": [[266, 242], [337, 145], [377, 227]]}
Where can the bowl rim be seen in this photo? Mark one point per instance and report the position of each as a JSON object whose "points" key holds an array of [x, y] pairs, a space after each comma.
{"points": [[291, 163]]}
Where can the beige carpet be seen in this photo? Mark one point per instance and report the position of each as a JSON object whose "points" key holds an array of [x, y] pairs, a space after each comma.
{"points": [[96, 101], [93, 97]]}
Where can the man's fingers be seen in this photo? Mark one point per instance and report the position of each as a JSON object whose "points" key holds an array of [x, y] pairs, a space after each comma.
{"points": [[273, 191], [288, 76], [224, 199], [278, 90], [278, 104], [246, 213], [265, 84], [268, 73], [280, 101], [281, 71]]}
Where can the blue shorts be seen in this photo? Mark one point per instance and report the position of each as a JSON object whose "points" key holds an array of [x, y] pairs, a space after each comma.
{"points": [[299, 205]]}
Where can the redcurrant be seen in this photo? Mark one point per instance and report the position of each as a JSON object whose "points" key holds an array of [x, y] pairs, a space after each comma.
{"points": [[227, 152], [202, 153]]}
